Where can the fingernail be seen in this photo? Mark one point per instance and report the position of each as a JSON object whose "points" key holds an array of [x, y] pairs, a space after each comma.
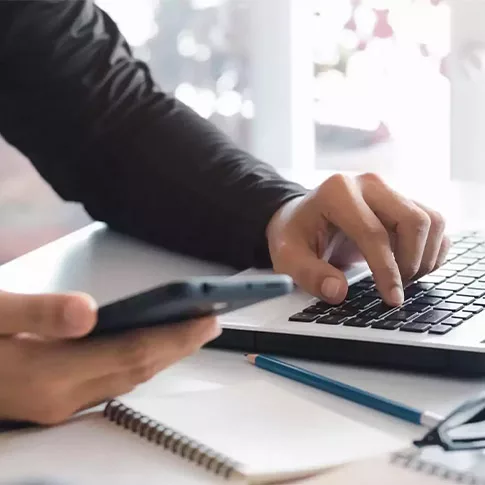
{"points": [[397, 296], [331, 287], [78, 315]]}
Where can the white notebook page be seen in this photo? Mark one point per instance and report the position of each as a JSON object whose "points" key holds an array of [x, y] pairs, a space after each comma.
{"points": [[268, 429]]}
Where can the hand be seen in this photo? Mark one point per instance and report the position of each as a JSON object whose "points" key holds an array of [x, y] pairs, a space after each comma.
{"points": [[47, 373], [401, 240]]}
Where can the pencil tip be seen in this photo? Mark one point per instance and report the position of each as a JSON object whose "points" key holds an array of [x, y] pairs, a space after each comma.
{"points": [[251, 358]]}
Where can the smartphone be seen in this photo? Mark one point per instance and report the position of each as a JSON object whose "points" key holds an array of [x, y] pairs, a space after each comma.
{"points": [[185, 300]]}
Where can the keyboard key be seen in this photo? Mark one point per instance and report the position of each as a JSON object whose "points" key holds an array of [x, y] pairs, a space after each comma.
{"points": [[433, 316], [361, 322], [452, 322], [461, 280], [465, 244], [454, 266], [473, 309], [364, 285], [373, 293], [424, 286], [440, 329], [354, 292], [362, 303], [462, 300], [402, 315], [387, 324], [331, 319], [472, 293], [445, 273], [480, 302], [439, 293], [478, 267], [477, 286], [450, 307], [324, 306], [377, 311], [454, 251], [412, 291], [303, 317], [414, 307], [463, 315], [415, 327], [474, 239], [470, 273], [435, 280], [465, 260], [427, 300], [313, 310], [342, 312], [450, 286]]}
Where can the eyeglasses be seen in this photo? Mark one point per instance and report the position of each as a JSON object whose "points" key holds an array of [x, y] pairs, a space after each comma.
{"points": [[462, 429]]}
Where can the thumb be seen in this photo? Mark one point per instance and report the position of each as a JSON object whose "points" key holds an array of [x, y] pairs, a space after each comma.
{"points": [[49, 315], [313, 274]]}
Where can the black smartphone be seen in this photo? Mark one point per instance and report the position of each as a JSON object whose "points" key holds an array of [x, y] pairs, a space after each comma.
{"points": [[185, 300]]}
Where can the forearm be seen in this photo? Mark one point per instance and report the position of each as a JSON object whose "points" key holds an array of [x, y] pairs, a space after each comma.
{"points": [[97, 128]]}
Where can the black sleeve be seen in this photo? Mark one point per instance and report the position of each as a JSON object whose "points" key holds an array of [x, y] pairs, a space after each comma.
{"points": [[91, 119]]}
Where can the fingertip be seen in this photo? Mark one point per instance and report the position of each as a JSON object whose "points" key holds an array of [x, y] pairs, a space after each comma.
{"points": [[334, 289], [396, 296], [79, 314]]}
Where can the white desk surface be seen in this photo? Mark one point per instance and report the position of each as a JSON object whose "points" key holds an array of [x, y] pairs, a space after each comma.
{"points": [[108, 265]]}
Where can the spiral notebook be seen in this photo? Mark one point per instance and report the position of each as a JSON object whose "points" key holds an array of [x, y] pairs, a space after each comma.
{"points": [[408, 467], [256, 432]]}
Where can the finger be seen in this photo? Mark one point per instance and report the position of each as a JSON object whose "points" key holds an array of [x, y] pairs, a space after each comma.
{"points": [[104, 356], [340, 201], [434, 241], [443, 252], [311, 273], [50, 315], [414, 245]]}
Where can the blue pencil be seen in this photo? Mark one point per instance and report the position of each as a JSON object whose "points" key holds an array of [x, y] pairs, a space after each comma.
{"points": [[359, 396]]}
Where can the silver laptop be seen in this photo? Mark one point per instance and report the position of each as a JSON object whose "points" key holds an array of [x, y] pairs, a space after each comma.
{"points": [[440, 328]]}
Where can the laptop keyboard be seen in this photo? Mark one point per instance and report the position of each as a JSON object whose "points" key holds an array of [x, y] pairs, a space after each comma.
{"points": [[435, 304]]}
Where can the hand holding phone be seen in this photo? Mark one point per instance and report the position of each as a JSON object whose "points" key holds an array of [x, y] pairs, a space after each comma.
{"points": [[187, 300]]}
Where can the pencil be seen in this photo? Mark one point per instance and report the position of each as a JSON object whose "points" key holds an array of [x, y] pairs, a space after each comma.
{"points": [[359, 396]]}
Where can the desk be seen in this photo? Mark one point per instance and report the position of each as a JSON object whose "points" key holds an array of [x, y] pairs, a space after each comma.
{"points": [[110, 266]]}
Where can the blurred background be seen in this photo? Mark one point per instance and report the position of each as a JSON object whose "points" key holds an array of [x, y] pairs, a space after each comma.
{"points": [[375, 89]]}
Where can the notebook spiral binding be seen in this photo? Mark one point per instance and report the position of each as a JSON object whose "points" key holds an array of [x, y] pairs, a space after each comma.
{"points": [[409, 459], [170, 439]]}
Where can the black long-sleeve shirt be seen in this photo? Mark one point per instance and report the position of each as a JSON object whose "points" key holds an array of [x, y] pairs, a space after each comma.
{"points": [[91, 119]]}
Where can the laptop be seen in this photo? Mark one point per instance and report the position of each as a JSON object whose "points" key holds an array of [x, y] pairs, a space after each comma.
{"points": [[440, 328]]}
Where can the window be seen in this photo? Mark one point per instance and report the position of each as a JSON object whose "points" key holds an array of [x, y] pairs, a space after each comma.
{"points": [[337, 84]]}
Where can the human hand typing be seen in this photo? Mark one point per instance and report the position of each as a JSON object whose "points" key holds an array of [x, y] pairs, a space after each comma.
{"points": [[401, 240], [47, 373]]}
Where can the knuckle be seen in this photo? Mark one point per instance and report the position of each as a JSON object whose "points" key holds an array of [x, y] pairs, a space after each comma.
{"points": [[370, 178], [418, 221], [337, 180], [375, 232], [437, 221]]}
